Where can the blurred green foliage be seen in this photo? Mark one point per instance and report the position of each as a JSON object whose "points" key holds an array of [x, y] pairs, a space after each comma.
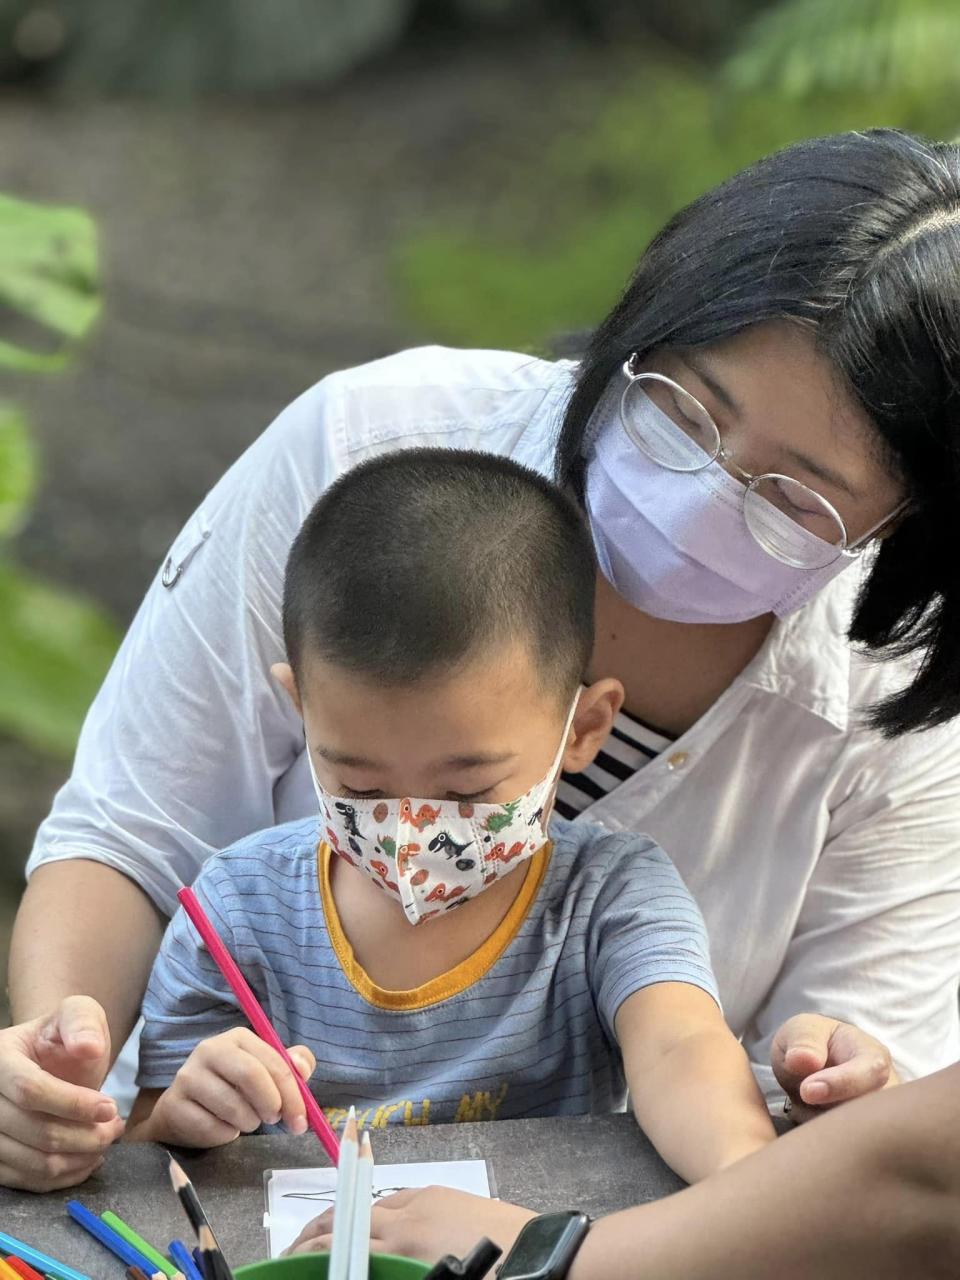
{"points": [[676, 129], [801, 47], [54, 647]]}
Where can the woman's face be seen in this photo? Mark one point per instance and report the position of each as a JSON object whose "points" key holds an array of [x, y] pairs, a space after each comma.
{"points": [[780, 407]]}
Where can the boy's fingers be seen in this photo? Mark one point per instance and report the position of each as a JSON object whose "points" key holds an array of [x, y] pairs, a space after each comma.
{"points": [[304, 1059], [221, 1087], [274, 1091], [194, 1125]]}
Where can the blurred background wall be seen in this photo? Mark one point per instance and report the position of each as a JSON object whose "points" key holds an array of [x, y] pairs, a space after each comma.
{"points": [[204, 208]]}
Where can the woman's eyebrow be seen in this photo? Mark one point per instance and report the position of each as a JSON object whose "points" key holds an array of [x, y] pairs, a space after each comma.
{"points": [[709, 380], [815, 468], [823, 473]]}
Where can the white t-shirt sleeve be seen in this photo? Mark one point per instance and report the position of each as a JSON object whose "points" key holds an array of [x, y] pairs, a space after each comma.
{"points": [[877, 939], [185, 741]]}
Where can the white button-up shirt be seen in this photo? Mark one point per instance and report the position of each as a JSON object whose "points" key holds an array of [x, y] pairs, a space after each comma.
{"points": [[826, 859]]}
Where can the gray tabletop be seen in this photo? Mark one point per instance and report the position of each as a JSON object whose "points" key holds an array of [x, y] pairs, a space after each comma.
{"points": [[597, 1165]]}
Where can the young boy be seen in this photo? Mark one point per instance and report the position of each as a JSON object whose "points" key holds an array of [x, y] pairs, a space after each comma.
{"points": [[434, 956]]}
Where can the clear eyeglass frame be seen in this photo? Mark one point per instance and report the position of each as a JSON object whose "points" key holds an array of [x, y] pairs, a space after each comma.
{"points": [[759, 491]]}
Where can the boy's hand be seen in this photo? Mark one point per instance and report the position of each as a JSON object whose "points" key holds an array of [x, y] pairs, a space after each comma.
{"points": [[231, 1084], [820, 1062]]}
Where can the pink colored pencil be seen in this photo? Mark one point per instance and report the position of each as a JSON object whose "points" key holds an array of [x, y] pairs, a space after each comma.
{"points": [[256, 1016]]}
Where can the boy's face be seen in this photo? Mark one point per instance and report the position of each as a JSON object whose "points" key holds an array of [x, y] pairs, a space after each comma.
{"points": [[486, 732]]}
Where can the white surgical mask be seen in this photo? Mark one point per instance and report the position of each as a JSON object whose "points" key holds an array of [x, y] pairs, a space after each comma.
{"points": [[432, 855], [674, 543]]}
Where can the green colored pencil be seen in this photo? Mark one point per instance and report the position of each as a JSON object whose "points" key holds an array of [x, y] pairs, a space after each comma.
{"points": [[153, 1255]]}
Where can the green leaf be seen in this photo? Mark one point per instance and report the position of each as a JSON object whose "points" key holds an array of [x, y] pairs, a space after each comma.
{"points": [[48, 275], [55, 649], [17, 468]]}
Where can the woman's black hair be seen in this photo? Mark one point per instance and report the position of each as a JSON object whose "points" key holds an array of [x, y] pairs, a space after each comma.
{"points": [[857, 237]]}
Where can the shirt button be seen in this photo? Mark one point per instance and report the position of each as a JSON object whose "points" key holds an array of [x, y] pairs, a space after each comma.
{"points": [[677, 761]]}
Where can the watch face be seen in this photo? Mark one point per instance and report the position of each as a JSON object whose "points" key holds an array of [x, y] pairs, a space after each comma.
{"points": [[545, 1247], [535, 1246]]}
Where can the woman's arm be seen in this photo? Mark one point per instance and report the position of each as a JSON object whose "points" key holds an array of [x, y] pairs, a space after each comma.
{"points": [[83, 929], [869, 1190], [690, 1083]]}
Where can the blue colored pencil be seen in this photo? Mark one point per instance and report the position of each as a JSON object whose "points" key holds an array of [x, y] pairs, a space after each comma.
{"points": [[180, 1255], [110, 1239], [48, 1265], [198, 1259]]}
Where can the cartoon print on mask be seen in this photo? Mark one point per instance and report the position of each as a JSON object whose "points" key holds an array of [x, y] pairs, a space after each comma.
{"points": [[404, 854], [425, 816], [498, 852], [447, 843], [497, 821], [354, 833], [383, 871], [388, 840], [442, 893]]}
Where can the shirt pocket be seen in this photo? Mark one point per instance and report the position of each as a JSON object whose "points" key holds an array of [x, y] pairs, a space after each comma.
{"points": [[190, 540]]}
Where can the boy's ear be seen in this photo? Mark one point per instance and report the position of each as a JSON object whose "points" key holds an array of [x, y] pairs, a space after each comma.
{"points": [[592, 722], [283, 673]]}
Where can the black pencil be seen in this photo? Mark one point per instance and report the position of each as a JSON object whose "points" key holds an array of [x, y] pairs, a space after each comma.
{"points": [[214, 1263]]}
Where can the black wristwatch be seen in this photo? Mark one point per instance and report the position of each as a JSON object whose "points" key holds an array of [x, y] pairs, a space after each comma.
{"points": [[546, 1247]]}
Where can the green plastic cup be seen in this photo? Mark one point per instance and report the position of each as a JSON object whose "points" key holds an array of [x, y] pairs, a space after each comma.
{"points": [[313, 1266]]}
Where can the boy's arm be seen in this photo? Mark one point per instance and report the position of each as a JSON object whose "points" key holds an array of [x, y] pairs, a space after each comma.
{"points": [[692, 1089]]}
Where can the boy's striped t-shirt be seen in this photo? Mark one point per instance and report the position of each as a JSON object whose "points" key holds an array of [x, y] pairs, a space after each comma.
{"points": [[523, 1027]]}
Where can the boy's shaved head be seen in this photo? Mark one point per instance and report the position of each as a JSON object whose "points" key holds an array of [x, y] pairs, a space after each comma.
{"points": [[414, 561]]}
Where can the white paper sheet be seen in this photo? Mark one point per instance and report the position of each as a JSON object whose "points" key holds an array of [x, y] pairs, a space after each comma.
{"points": [[295, 1196]]}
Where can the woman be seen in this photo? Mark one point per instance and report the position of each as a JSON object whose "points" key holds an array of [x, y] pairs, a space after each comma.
{"points": [[772, 401]]}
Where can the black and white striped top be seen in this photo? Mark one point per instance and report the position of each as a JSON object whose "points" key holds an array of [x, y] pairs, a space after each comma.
{"points": [[630, 746]]}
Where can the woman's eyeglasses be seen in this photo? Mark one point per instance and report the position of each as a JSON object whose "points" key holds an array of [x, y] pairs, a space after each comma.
{"points": [[813, 534]]}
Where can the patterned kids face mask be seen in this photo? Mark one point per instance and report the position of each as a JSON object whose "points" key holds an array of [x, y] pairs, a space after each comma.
{"points": [[433, 855]]}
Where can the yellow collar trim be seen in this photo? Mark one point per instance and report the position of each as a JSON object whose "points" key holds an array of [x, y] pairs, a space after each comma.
{"points": [[455, 980]]}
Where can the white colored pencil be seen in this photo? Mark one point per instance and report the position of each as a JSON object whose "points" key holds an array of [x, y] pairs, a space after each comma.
{"points": [[362, 1210], [344, 1203]]}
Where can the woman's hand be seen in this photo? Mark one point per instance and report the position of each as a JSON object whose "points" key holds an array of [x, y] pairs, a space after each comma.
{"points": [[55, 1124], [820, 1062], [426, 1223], [231, 1084]]}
